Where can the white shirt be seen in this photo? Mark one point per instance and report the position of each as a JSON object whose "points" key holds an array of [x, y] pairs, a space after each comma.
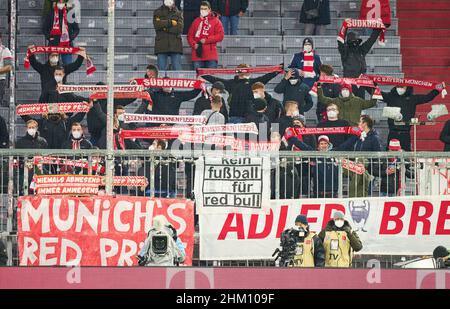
{"points": [[5, 59]]}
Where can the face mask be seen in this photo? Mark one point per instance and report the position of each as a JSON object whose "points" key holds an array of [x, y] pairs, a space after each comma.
{"points": [[54, 118], [120, 117], [61, 6], [152, 147], [345, 93], [32, 132], [76, 134], [293, 81], [257, 96], [401, 91], [204, 13], [58, 78], [307, 48], [332, 114], [295, 114], [168, 90], [339, 223], [54, 60], [168, 3]]}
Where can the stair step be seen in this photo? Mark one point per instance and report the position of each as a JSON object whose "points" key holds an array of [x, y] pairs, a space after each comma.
{"points": [[408, 5], [427, 52], [426, 23], [426, 70], [429, 145], [426, 15], [425, 42], [409, 60], [426, 33]]}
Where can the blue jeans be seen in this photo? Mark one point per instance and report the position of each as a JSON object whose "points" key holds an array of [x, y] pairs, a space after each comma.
{"points": [[209, 64], [235, 119], [66, 59], [230, 24], [163, 61]]}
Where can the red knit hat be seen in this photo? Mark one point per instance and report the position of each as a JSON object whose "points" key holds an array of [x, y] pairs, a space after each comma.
{"points": [[394, 145]]}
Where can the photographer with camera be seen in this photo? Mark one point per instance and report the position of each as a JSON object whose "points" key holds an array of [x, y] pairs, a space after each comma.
{"points": [[339, 241], [300, 247], [442, 256], [162, 246]]}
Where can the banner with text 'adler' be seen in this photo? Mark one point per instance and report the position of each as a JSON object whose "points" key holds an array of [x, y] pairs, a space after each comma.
{"points": [[398, 225], [95, 231]]}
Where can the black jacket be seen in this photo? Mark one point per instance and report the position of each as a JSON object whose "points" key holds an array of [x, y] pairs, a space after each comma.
{"points": [[408, 103], [56, 133], [240, 90], [445, 136], [51, 95], [203, 103], [324, 12], [84, 143], [47, 26], [319, 251], [335, 139], [355, 242], [298, 93], [354, 58], [4, 135], [274, 108], [30, 142], [47, 72], [391, 183], [3, 254], [236, 6], [262, 122], [370, 143], [169, 103]]}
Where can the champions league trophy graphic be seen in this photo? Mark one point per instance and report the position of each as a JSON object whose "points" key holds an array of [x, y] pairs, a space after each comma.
{"points": [[359, 211]]}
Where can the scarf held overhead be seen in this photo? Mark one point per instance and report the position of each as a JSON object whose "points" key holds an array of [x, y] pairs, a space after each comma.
{"points": [[173, 119], [100, 88], [262, 69], [360, 82], [52, 108], [171, 83], [362, 23], [374, 9], [407, 82], [90, 68]]}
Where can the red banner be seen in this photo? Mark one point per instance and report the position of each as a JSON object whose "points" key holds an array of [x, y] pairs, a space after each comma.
{"points": [[262, 69], [122, 95], [52, 108], [100, 231], [69, 163]]}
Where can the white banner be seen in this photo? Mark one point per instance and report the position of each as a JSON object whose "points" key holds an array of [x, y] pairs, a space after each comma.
{"points": [[401, 225], [238, 184], [434, 176]]}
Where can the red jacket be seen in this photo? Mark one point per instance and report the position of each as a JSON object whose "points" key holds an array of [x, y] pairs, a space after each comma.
{"points": [[215, 35]]}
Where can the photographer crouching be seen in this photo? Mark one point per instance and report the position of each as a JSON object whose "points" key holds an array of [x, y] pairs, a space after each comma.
{"points": [[300, 247], [162, 246], [442, 256]]}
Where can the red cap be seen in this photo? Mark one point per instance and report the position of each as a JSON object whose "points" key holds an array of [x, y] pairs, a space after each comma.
{"points": [[394, 145]]}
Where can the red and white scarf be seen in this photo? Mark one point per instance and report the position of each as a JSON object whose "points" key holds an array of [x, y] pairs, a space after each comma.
{"points": [[298, 132], [203, 28], [361, 82], [308, 64], [76, 144], [90, 68], [182, 83], [52, 108], [407, 82], [264, 69], [56, 29], [99, 88], [362, 23], [172, 119], [96, 166]]}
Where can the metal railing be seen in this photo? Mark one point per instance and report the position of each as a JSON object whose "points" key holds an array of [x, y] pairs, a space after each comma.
{"points": [[294, 175]]}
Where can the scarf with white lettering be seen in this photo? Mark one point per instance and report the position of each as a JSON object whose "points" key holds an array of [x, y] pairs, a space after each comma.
{"points": [[182, 83], [90, 68], [52, 108], [362, 23], [264, 69], [407, 82], [361, 82], [203, 28], [56, 29]]}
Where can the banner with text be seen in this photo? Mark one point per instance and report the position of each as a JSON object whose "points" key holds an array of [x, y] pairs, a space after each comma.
{"points": [[398, 225], [222, 184], [100, 231]]}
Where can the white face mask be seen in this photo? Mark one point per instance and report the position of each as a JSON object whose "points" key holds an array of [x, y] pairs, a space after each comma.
{"points": [[345, 93], [58, 78], [54, 60], [332, 114], [61, 6], [295, 114], [293, 81], [32, 132], [401, 91], [307, 48], [339, 223], [168, 90], [168, 3], [120, 117], [256, 95], [76, 134], [204, 13], [152, 147]]}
